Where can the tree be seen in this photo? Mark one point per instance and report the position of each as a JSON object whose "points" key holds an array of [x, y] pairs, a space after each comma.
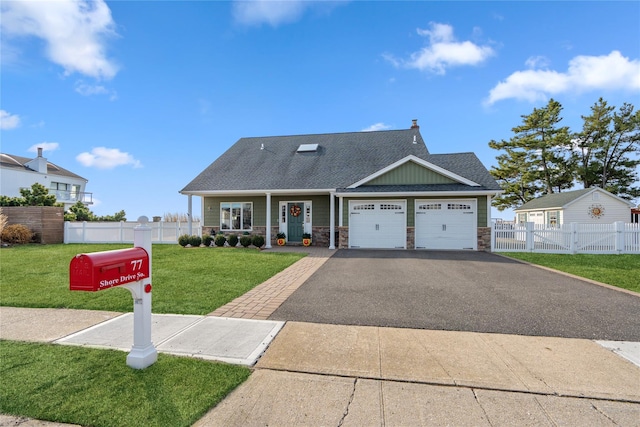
{"points": [[604, 146], [38, 195], [537, 160], [80, 212]]}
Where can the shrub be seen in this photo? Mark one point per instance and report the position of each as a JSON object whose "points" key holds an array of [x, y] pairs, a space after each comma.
{"points": [[16, 233], [207, 240], [245, 241], [195, 241], [281, 235], [233, 240], [258, 241], [183, 240], [220, 239]]}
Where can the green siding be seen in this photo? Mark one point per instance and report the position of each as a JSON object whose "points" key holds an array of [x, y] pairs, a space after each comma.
{"points": [[410, 173], [320, 209], [320, 213]]}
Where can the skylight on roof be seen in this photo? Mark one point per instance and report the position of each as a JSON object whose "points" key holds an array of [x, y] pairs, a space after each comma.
{"points": [[307, 148]]}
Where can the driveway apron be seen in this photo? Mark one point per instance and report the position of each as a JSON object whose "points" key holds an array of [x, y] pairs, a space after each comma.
{"points": [[460, 291]]}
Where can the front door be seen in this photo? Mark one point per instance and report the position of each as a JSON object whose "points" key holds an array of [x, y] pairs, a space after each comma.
{"points": [[295, 223]]}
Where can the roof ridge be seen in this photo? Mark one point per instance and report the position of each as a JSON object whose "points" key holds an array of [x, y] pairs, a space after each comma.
{"points": [[325, 133]]}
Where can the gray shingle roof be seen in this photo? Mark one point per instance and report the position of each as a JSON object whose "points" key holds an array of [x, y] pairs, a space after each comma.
{"points": [[555, 200], [10, 161], [273, 163]]}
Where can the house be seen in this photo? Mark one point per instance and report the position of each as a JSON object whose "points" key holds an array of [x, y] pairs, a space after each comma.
{"points": [[381, 189], [586, 206], [18, 172]]}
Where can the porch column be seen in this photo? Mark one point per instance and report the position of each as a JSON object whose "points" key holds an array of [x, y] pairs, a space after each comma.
{"points": [[332, 221], [340, 207], [190, 214], [268, 230]]}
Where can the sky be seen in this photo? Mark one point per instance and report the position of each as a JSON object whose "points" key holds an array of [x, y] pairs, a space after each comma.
{"points": [[139, 97]]}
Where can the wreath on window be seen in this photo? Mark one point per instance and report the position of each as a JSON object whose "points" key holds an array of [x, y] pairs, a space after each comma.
{"points": [[295, 210]]}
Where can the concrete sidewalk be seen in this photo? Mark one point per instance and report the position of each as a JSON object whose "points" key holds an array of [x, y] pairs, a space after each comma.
{"points": [[355, 376]]}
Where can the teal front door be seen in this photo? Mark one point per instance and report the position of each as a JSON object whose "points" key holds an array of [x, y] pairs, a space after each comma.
{"points": [[295, 222]]}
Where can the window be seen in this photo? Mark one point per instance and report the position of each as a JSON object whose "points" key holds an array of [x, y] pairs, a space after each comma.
{"points": [[236, 216], [522, 218], [552, 218], [458, 206], [430, 206]]}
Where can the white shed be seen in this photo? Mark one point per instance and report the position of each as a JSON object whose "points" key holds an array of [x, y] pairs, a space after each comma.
{"points": [[587, 206]]}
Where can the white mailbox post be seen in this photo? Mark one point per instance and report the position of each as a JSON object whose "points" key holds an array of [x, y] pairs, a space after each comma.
{"points": [[143, 353]]}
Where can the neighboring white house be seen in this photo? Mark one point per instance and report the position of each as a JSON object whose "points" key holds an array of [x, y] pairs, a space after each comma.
{"points": [[18, 172], [587, 206]]}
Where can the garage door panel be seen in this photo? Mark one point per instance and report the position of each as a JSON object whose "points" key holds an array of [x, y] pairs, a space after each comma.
{"points": [[377, 224], [446, 224]]}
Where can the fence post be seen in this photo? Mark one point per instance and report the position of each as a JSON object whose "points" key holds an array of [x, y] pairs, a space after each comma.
{"points": [[573, 243], [529, 237], [620, 246], [493, 231]]}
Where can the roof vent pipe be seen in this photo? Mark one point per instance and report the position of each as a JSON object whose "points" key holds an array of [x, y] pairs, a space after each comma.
{"points": [[262, 146], [414, 139], [39, 151]]}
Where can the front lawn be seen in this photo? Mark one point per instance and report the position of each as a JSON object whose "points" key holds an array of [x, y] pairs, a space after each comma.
{"points": [[185, 280], [92, 387], [622, 271]]}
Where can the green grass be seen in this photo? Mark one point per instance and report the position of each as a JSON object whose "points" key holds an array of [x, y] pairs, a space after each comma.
{"points": [[95, 387], [622, 271], [185, 281]]}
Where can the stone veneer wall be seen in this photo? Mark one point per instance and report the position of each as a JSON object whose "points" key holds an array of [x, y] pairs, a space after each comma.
{"points": [[46, 222], [484, 239]]}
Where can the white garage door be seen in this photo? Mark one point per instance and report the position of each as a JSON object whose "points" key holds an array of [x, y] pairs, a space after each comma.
{"points": [[446, 224], [378, 224]]}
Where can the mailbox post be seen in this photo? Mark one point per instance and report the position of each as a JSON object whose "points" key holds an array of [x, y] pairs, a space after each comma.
{"points": [[131, 269]]}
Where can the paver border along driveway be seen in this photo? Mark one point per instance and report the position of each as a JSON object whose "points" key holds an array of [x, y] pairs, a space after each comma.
{"points": [[460, 291]]}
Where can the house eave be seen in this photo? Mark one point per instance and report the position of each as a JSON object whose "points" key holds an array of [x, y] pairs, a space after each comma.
{"points": [[418, 194], [260, 192]]}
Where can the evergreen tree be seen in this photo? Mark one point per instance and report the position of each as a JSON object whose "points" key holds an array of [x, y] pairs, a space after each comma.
{"points": [[537, 160], [604, 148], [38, 195]]}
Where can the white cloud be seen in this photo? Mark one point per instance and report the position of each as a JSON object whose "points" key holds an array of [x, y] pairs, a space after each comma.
{"points": [[585, 73], [537, 62], [46, 146], [375, 127], [74, 31], [86, 89], [8, 120], [443, 51], [276, 12], [107, 158]]}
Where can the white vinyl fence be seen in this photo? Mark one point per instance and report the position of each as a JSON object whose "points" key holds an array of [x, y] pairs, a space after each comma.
{"points": [[122, 232], [615, 238]]}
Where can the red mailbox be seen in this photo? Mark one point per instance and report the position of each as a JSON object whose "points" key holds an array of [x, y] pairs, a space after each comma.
{"points": [[103, 270]]}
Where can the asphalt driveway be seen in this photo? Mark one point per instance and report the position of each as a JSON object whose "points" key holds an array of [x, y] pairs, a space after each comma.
{"points": [[460, 291]]}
